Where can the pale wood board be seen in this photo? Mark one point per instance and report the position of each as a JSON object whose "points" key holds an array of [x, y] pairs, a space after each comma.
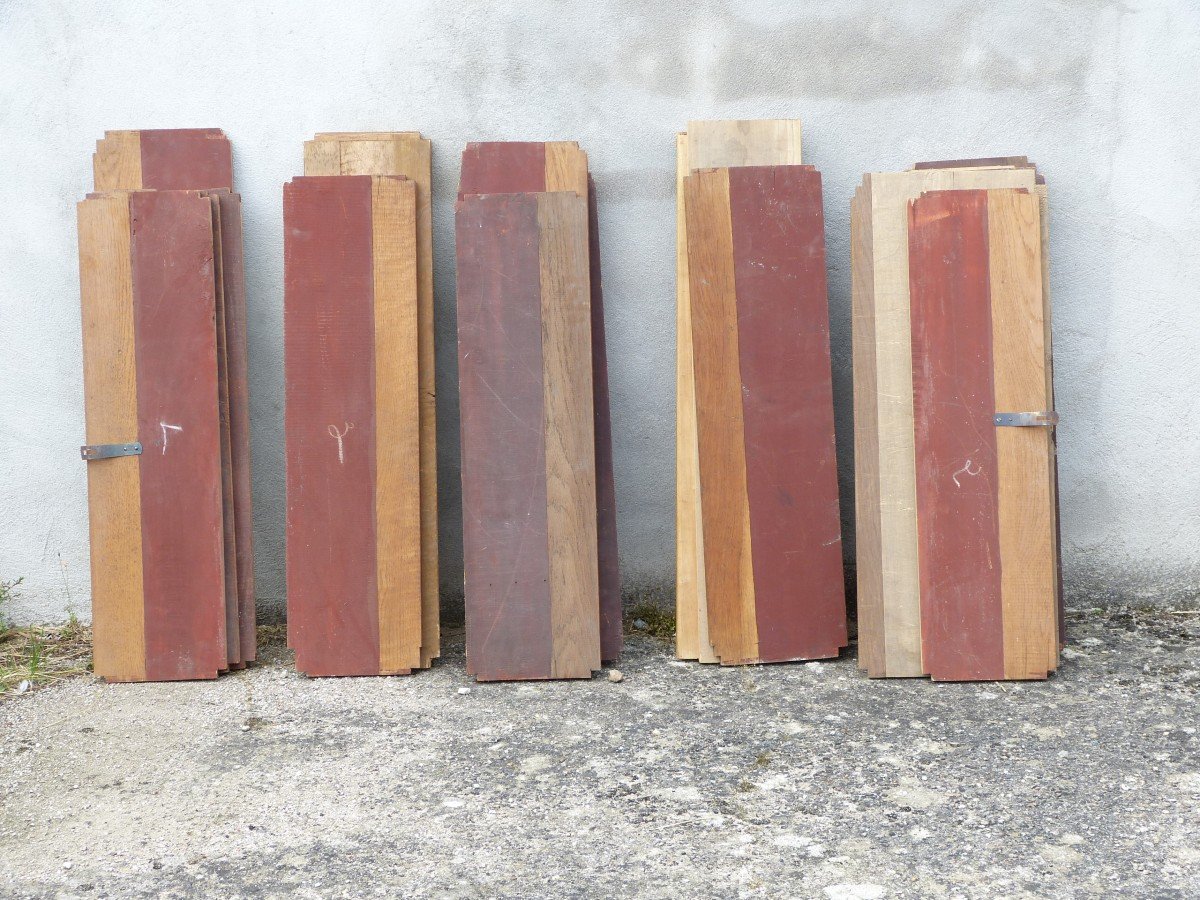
{"points": [[397, 426], [569, 434], [117, 162], [566, 168], [891, 192], [1025, 501], [110, 406], [752, 142]]}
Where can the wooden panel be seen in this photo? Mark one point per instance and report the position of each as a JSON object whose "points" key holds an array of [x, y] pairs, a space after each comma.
{"points": [[566, 168], [899, 626], [727, 555], [117, 162], [612, 634], [233, 635], [758, 142], [397, 424], [956, 464], [786, 388], [408, 154], [330, 425], [110, 403], [502, 167], [1024, 455], [234, 294], [182, 158], [569, 436], [505, 531], [171, 247], [867, 551]]}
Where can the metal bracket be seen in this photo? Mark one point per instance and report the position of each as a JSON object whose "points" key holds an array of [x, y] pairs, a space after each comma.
{"points": [[1027, 419], [107, 451]]}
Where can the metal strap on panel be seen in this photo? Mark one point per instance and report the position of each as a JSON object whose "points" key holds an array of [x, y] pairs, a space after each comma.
{"points": [[91, 452], [1027, 419]]}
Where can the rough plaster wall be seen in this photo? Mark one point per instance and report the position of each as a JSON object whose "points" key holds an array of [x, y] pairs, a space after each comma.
{"points": [[1104, 96]]}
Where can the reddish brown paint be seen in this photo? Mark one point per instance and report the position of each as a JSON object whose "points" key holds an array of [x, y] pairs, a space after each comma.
{"points": [[958, 531], [505, 550], [329, 389], [178, 425], [239, 408], [501, 167], [787, 411], [611, 628], [186, 158]]}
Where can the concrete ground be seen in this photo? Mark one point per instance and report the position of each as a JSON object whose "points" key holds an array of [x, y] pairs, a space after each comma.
{"points": [[680, 781]]}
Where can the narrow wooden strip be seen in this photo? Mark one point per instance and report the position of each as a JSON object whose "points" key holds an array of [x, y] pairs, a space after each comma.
{"points": [[397, 424], [505, 531], [867, 551], [330, 425], [689, 570], [1024, 457], [234, 290], [956, 465], [786, 385], [179, 426], [566, 168], [117, 162], [747, 142], [186, 158], [569, 434], [500, 167], [727, 556], [233, 635], [110, 405], [612, 635]]}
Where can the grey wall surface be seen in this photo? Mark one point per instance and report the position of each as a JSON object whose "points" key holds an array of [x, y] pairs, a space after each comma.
{"points": [[1103, 96]]}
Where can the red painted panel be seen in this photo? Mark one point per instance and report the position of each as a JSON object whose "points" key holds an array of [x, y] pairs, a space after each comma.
{"points": [[611, 631], [958, 531], [239, 408], [329, 423], [787, 410], [505, 549], [186, 158], [502, 167], [178, 424]]}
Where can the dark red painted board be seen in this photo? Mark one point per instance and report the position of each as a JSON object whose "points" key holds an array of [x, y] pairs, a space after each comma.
{"points": [[500, 167], [183, 573], [958, 530], [329, 424], [505, 549], [186, 158], [787, 411]]}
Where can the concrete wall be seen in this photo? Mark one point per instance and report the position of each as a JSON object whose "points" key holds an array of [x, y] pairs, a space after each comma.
{"points": [[1104, 96]]}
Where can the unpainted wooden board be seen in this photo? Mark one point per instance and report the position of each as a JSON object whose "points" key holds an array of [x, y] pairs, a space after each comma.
{"points": [[569, 435], [566, 168], [110, 406], [117, 162], [397, 424], [747, 142], [1024, 455]]}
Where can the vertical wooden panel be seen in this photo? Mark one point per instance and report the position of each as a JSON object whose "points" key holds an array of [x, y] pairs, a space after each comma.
{"points": [[502, 167], [323, 158], [397, 424], [955, 440], [566, 168], [1024, 459], [179, 426], [505, 532], [330, 425], [727, 556], [117, 162], [747, 142], [867, 551], [183, 158], [569, 436], [110, 401], [782, 309]]}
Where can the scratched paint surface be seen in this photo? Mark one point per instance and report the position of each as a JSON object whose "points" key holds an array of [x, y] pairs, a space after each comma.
{"points": [[329, 423], [958, 534], [503, 441], [179, 426], [787, 411]]}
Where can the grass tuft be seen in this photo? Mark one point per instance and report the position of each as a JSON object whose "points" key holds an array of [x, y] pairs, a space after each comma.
{"points": [[651, 619], [40, 654]]}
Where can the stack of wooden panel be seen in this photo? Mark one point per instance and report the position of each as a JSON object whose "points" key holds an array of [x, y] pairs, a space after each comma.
{"points": [[955, 465], [167, 408], [539, 511], [359, 398], [759, 575]]}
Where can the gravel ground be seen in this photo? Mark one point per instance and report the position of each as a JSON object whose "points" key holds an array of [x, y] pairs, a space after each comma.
{"points": [[680, 781]]}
